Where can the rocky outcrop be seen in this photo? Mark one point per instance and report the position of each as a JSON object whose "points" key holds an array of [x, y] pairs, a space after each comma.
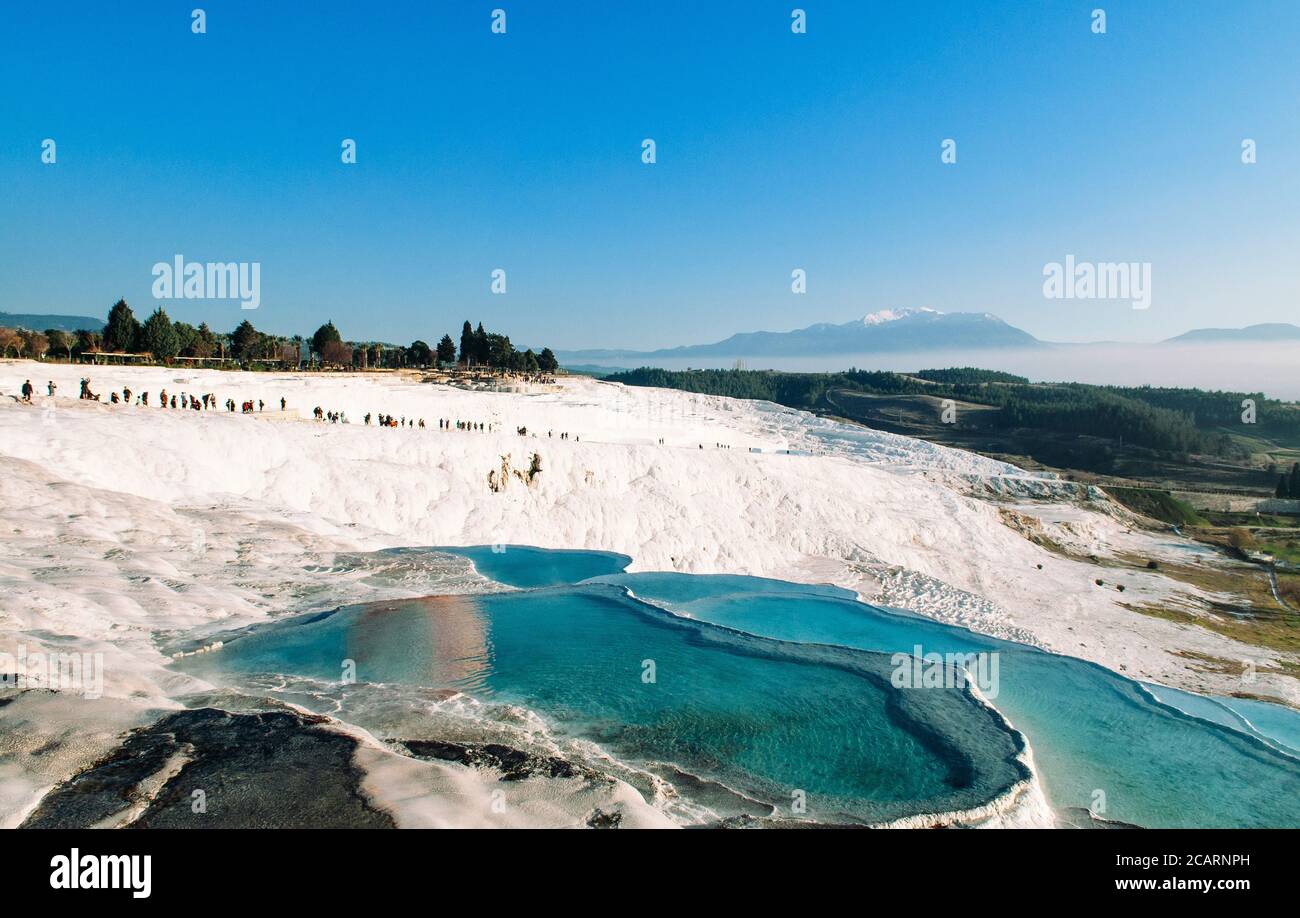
{"points": [[208, 768]]}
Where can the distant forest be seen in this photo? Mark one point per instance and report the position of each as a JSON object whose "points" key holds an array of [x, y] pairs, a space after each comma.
{"points": [[1171, 420]]}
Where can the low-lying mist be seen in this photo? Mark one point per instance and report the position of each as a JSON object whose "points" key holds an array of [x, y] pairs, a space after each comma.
{"points": [[1271, 368]]}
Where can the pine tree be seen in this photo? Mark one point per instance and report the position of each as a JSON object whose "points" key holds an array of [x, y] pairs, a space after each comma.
{"points": [[159, 336], [498, 351], [205, 345], [324, 335], [1293, 485], [187, 338], [244, 341], [447, 350], [121, 330]]}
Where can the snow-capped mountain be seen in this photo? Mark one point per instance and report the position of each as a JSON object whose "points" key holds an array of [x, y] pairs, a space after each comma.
{"points": [[893, 315], [885, 331]]}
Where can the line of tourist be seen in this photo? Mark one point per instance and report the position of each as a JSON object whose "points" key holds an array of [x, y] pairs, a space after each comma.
{"points": [[179, 401], [208, 402]]}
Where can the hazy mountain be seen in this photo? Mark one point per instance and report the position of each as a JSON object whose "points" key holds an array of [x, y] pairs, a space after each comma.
{"points": [[1268, 331], [887, 331], [40, 322]]}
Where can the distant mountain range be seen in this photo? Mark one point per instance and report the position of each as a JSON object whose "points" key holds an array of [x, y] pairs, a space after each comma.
{"points": [[42, 322], [1268, 331], [896, 331], [886, 331]]}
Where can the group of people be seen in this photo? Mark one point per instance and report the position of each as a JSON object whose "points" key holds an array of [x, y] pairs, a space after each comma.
{"points": [[208, 402], [388, 420], [334, 417], [205, 402], [446, 424]]}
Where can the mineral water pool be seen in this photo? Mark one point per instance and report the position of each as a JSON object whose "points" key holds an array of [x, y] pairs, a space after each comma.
{"points": [[776, 690], [525, 567], [1151, 756]]}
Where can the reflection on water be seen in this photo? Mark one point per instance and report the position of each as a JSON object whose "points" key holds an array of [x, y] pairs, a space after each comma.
{"points": [[438, 641], [775, 722]]}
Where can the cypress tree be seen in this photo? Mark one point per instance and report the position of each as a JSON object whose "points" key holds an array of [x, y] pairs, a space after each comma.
{"points": [[466, 343]]}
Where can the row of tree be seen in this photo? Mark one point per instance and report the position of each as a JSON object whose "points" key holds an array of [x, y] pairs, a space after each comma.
{"points": [[23, 342], [479, 347], [165, 340]]}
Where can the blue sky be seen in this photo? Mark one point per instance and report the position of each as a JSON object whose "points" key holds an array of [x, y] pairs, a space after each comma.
{"points": [[775, 151]]}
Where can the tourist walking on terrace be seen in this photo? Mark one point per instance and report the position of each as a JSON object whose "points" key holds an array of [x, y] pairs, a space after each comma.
{"points": [[27, 391], [51, 386]]}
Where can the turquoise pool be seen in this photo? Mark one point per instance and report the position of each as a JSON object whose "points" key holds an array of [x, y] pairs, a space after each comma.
{"points": [[1099, 740], [778, 691]]}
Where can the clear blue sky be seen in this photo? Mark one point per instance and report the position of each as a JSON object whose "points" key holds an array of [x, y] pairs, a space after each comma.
{"points": [[775, 151]]}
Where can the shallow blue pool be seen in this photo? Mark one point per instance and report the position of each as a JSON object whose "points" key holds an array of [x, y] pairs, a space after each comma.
{"points": [[525, 568], [771, 721], [1099, 740], [775, 690]]}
